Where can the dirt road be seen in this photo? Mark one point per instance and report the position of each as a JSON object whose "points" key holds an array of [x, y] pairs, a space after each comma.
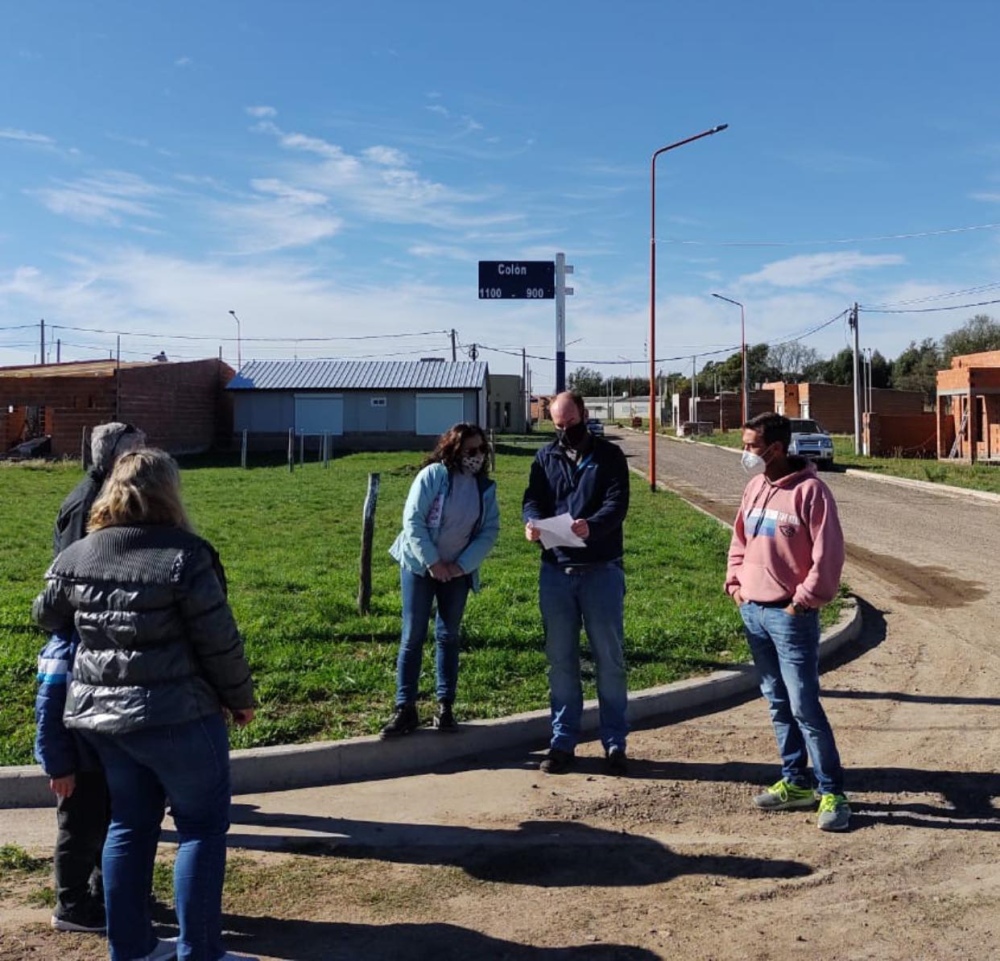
{"points": [[496, 861]]}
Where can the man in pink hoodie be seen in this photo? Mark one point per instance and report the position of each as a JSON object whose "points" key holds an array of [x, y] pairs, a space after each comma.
{"points": [[785, 559]]}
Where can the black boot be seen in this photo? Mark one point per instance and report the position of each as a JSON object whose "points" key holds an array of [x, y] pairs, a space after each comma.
{"points": [[445, 719], [404, 721]]}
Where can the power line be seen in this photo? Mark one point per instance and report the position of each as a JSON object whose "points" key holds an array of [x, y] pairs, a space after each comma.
{"points": [[929, 297], [928, 310], [278, 340], [817, 243]]}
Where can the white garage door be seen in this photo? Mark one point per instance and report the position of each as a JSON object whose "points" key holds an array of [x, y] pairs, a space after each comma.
{"points": [[437, 412], [319, 414]]}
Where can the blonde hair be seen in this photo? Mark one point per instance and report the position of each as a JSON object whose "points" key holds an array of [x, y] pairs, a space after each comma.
{"points": [[144, 487]]}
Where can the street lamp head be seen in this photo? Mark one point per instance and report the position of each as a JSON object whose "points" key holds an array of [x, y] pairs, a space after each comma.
{"points": [[233, 312], [719, 128], [728, 300]]}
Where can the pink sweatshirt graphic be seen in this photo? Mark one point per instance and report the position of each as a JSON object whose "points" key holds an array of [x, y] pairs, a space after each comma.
{"points": [[787, 542]]}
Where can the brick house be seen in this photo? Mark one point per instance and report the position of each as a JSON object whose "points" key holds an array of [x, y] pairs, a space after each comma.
{"points": [[181, 406], [968, 408], [832, 405]]}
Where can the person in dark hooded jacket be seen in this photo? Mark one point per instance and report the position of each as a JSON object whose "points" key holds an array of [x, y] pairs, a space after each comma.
{"points": [[159, 667], [75, 774]]}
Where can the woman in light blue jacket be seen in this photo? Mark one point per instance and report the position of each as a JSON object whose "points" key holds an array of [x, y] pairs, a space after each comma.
{"points": [[450, 524]]}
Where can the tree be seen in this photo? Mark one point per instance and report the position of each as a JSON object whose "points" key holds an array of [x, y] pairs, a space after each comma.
{"points": [[977, 335], [791, 359], [587, 382], [916, 368]]}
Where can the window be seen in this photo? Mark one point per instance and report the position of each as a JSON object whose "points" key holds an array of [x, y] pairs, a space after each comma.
{"points": [[378, 402]]}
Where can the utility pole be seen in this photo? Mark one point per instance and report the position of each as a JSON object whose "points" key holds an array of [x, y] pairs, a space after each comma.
{"points": [[454, 353], [524, 386], [853, 322], [473, 352], [41, 356]]}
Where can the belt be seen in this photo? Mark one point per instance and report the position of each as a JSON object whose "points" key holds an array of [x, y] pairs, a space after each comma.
{"points": [[579, 569]]}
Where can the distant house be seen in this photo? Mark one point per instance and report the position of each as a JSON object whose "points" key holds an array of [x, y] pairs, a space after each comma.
{"points": [[362, 405], [505, 409], [832, 405], [180, 405], [968, 408]]}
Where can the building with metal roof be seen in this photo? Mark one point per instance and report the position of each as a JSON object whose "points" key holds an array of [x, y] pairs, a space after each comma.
{"points": [[363, 405]]}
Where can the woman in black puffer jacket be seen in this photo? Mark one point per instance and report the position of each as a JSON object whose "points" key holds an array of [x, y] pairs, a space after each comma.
{"points": [[159, 665]]}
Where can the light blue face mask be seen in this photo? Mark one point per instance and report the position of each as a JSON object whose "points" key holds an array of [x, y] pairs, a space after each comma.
{"points": [[753, 463]]}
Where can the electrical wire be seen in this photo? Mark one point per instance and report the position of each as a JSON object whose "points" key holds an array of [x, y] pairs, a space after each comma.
{"points": [[927, 310], [930, 297], [280, 340], [820, 243]]}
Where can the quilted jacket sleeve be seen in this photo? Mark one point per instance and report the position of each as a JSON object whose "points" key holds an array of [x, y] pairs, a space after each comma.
{"points": [[212, 631]]}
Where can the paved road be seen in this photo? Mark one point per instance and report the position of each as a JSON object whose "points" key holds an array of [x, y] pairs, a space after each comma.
{"points": [[930, 549]]}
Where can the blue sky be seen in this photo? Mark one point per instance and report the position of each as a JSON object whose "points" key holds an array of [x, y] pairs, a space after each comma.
{"points": [[334, 171]]}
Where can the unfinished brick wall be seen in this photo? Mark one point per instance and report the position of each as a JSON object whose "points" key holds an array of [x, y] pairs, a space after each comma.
{"points": [[181, 406], [900, 435]]}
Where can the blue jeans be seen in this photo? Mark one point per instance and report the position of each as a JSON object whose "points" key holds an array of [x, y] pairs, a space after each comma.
{"points": [[592, 597], [189, 763], [419, 593], [785, 650]]}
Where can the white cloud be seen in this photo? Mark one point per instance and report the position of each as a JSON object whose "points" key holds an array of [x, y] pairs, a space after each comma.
{"points": [[805, 270], [183, 62], [380, 183], [279, 215], [262, 111], [26, 136], [107, 199]]}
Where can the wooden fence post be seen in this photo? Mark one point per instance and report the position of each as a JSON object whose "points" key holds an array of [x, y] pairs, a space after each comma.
{"points": [[243, 450], [291, 449], [367, 534], [83, 449]]}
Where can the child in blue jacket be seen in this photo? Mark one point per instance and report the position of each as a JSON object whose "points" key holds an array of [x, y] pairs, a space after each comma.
{"points": [[77, 780]]}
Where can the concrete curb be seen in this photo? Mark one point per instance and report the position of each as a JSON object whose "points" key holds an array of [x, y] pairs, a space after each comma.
{"points": [[945, 490], [258, 770]]}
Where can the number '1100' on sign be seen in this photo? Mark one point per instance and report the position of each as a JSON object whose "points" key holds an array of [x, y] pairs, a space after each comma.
{"points": [[517, 280]]}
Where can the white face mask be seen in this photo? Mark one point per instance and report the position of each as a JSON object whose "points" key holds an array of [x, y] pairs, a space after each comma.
{"points": [[472, 463], [753, 463]]}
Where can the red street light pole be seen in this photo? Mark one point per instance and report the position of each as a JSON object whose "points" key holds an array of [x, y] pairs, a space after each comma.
{"points": [[744, 395], [652, 292]]}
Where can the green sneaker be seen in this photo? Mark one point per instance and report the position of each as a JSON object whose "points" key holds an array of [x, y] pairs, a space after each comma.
{"points": [[784, 796], [834, 813]]}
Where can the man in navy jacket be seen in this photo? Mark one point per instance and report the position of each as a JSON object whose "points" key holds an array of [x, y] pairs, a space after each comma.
{"points": [[586, 477]]}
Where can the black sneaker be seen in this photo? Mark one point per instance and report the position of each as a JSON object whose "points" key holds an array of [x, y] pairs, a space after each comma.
{"points": [[88, 920], [404, 721], [617, 761], [557, 761], [444, 720]]}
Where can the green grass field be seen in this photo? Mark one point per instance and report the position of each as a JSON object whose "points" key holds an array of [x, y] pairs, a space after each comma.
{"points": [[975, 476], [290, 543]]}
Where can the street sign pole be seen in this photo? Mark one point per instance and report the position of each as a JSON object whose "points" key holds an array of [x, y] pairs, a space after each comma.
{"points": [[562, 269]]}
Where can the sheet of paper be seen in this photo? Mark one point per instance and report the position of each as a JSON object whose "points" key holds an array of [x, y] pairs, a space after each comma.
{"points": [[556, 532]]}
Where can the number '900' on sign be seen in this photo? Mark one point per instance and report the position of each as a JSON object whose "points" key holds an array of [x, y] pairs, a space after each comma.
{"points": [[517, 280]]}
